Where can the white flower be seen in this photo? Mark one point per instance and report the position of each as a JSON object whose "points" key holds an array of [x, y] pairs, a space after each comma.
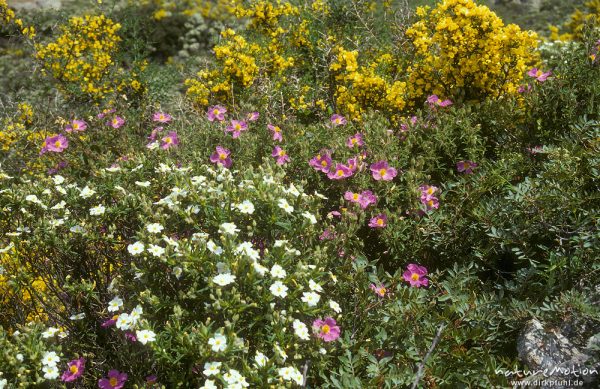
{"points": [[177, 271], [214, 248], [311, 298], [154, 228], [58, 179], [291, 374], [314, 286], [19, 357], [155, 250], [50, 332], [50, 372], [3, 383], [268, 180], [86, 192], [209, 384], [283, 204], [278, 289], [277, 271], [310, 217], [77, 229], [301, 330], [247, 249], [136, 248], [124, 322], [280, 243], [335, 306], [115, 304], [145, 336], [78, 316], [33, 199], [136, 314], [97, 210], [143, 184], [260, 269], [218, 343], [280, 352], [261, 359], [246, 207], [235, 380], [112, 169], [292, 190], [229, 228], [198, 180], [60, 205], [317, 194], [223, 279], [212, 368], [50, 358]]}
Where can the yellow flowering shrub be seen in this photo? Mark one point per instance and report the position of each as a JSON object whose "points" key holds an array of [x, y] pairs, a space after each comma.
{"points": [[84, 56], [8, 17], [463, 49], [575, 26], [265, 15], [362, 87]]}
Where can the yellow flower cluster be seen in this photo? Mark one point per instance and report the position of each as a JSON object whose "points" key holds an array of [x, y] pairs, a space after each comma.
{"points": [[83, 54], [464, 50], [14, 129], [360, 88], [18, 293], [575, 27], [265, 15], [7, 16]]}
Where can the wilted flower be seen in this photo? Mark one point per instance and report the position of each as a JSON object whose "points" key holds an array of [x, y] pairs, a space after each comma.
{"points": [[221, 157], [327, 329], [280, 155], [252, 116], [415, 275], [382, 171], [216, 112]]}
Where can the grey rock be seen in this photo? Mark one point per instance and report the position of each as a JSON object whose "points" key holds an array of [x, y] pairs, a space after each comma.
{"points": [[34, 4]]}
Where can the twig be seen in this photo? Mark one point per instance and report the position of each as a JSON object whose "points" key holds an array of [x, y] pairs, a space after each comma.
{"points": [[305, 373], [422, 364]]}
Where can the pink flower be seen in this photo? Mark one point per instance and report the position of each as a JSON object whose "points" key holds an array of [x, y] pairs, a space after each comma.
{"points": [[327, 235], [356, 140], [339, 172], [428, 190], [338, 120], [56, 144], [276, 132], [74, 370], [130, 336], [381, 171], [281, 155], [354, 164], [154, 134], [404, 127], [535, 149], [76, 125], [161, 117], [216, 112], [379, 221], [352, 197], [252, 116], [221, 157], [110, 322], [466, 167], [237, 126], [415, 275], [434, 101], [115, 380], [379, 290], [366, 198], [538, 74], [427, 197], [116, 122], [523, 89], [321, 162], [171, 140], [327, 329]]}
